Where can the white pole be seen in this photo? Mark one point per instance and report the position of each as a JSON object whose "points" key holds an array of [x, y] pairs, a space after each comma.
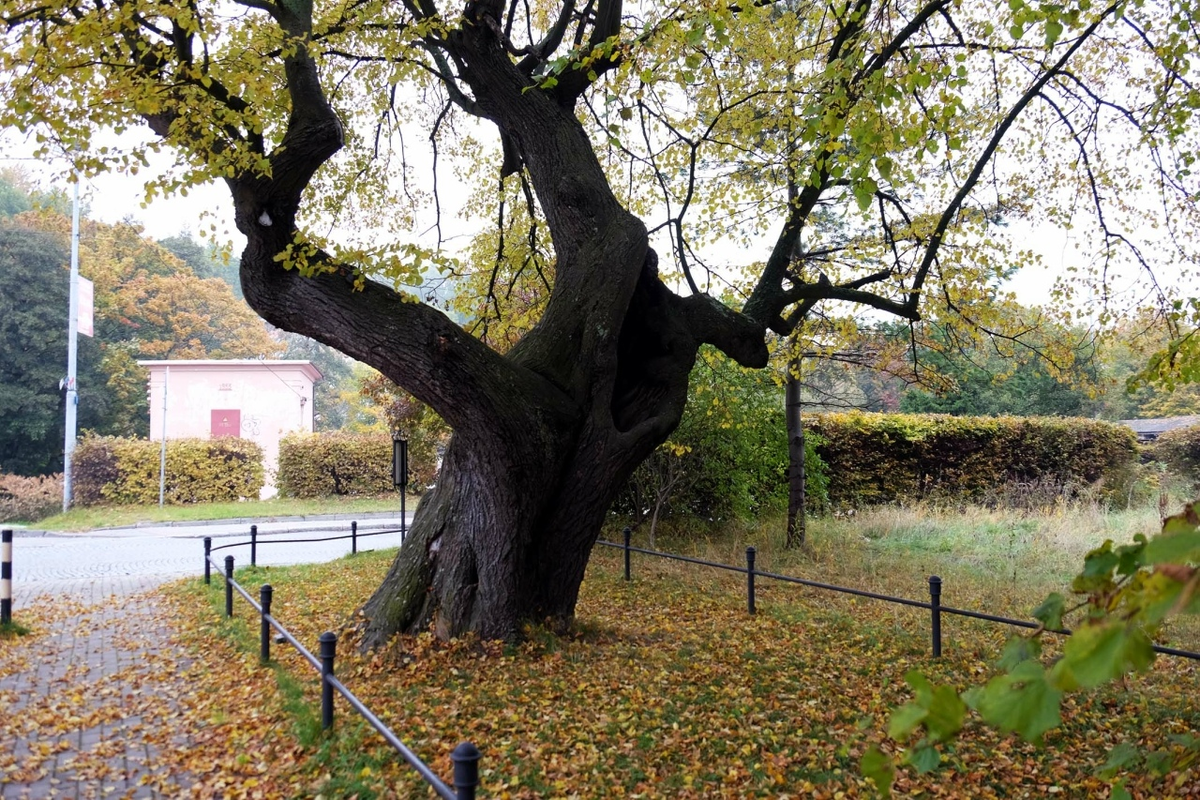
{"points": [[162, 458], [72, 332]]}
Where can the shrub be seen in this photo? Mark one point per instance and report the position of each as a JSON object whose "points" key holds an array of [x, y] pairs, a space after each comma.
{"points": [[335, 463], [884, 458], [30, 499], [126, 471], [1179, 450], [728, 459], [94, 466]]}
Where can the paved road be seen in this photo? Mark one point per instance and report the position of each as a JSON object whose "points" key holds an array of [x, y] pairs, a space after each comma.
{"points": [[131, 559]]}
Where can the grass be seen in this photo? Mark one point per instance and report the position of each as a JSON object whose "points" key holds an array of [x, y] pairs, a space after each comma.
{"points": [[987, 558], [667, 688], [85, 519], [13, 629]]}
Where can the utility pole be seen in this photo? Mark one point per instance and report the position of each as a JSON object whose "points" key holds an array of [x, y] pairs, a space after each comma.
{"points": [[72, 349]]}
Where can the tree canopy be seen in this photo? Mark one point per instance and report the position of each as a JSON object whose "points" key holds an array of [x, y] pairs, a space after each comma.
{"points": [[664, 169]]}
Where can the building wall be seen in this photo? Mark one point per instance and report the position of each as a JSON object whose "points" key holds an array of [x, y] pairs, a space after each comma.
{"points": [[259, 400]]}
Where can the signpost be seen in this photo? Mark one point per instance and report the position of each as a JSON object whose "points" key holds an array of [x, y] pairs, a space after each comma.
{"points": [[400, 477]]}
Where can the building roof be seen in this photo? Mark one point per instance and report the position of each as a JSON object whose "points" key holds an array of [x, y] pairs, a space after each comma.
{"points": [[247, 364], [1153, 427]]}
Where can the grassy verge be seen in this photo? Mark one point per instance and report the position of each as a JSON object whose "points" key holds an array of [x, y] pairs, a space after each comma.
{"points": [[669, 689], [83, 519]]}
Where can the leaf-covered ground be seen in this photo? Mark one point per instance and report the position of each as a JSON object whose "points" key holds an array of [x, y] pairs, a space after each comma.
{"points": [[668, 689]]}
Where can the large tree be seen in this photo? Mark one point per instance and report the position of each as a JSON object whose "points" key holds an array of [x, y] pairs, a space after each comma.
{"points": [[699, 124]]}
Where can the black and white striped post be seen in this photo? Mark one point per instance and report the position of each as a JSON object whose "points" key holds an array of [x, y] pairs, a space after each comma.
{"points": [[6, 578]]}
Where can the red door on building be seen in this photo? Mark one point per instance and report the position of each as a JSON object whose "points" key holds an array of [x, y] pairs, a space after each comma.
{"points": [[226, 422]]}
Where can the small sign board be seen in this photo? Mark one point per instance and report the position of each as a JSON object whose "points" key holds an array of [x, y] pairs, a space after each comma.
{"points": [[86, 313]]}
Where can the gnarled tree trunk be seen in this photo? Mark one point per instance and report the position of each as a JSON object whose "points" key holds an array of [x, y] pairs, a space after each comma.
{"points": [[545, 435]]}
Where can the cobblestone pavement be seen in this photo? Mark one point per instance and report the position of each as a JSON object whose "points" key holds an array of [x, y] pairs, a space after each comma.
{"points": [[83, 704]]}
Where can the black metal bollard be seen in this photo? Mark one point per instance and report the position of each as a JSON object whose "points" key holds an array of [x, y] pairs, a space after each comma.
{"points": [[207, 563], [254, 545], [750, 554], [6, 541], [466, 770], [328, 641], [628, 533], [935, 607], [229, 586], [264, 600], [353, 538]]}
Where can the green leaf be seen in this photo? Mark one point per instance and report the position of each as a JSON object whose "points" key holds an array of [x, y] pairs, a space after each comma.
{"points": [[884, 165], [946, 713], [924, 759], [877, 767], [1159, 763], [1018, 649], [938, 708], [1123, 756], [1177, 544], [864, 192], [1119, 792], [1054, 29], [1050, 612], [1100, 652], [905, 720], [626, 113], [1098, 566], [1021, 701]]}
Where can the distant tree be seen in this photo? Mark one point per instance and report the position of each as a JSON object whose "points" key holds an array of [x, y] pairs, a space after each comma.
{"points": [[337, 378], [206, 261], [983, 379], [13, 200], [34, 290]]}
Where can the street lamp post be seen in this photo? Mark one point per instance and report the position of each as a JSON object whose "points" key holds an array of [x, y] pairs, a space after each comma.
{"points": [[72, 394]]}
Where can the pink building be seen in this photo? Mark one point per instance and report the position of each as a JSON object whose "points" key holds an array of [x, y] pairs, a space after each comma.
{"points": [[257, 400]]}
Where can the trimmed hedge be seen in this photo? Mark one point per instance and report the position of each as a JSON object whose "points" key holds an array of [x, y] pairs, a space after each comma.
{"points": [[884, 458], [109, 469], [1179, 450], [335, 463], [30, 499]]}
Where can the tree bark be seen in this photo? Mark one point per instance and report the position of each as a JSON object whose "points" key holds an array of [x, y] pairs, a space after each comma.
{"points": [[797, 521]]}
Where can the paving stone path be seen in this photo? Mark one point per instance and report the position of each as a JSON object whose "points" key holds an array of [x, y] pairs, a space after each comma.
{"points": [[84, 705]]}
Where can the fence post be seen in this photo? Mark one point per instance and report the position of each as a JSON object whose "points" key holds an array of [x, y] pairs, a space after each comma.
{"points": [[6, 538], [264, 600], [254, 545], [229, 586], [750, 554], [935, 606], [207, 564], [628, 532], [354, 538], [328, 649], [466, 770]]}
